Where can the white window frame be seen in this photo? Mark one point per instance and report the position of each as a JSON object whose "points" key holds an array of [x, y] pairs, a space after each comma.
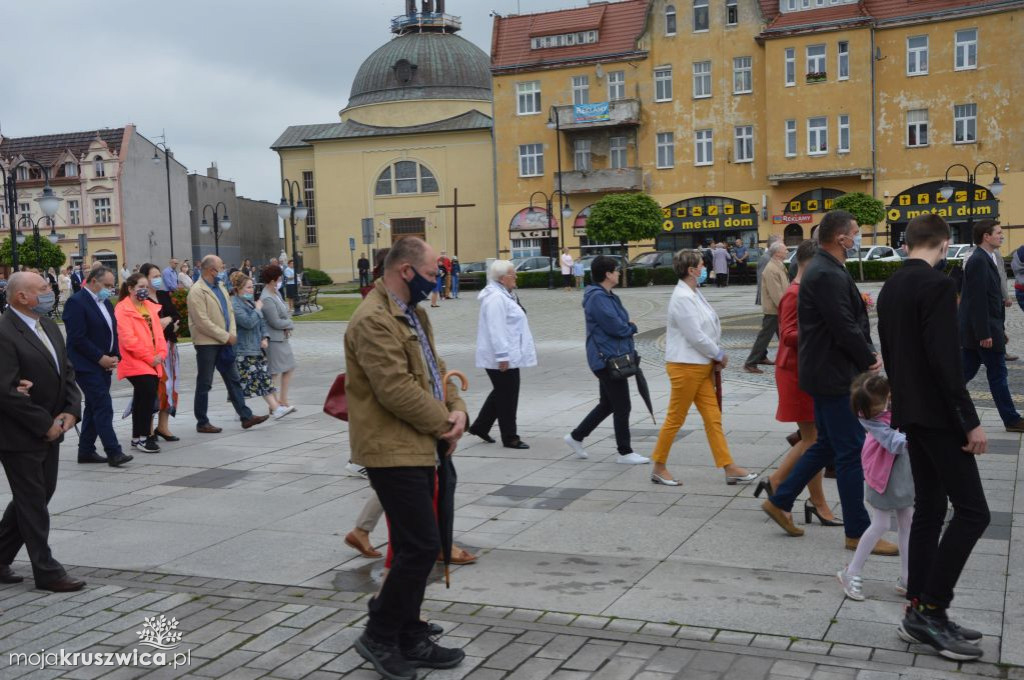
{"points": [[616, 85], [671, 20], [917, 56], [965, 123], [581, 155], [790, 138], [789, 72], [663, 84], [817, 135], [531, 160], [308, 191], [665, 150], [70, 169], [820, 61], [919, 124], [843, 145], [704, 147], [528, 102], [102, 213], [962, 48], [701, 79], [98, 167], [581, 89], [699, 5], [743, 146], [843, 60], [742, 75], [732, 8], [618, 153], [74, 212]]}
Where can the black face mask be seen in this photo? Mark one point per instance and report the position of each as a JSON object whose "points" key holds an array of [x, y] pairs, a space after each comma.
{"points": [[419, 288]]}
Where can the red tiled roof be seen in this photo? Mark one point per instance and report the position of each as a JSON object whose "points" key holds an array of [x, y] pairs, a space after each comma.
{"points": [[620, 24], [896, 9], [868, 10], [47, 149], [824, 15]]}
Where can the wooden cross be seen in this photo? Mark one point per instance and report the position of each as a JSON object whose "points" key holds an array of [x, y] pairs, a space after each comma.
{"points": [[455, 205]]}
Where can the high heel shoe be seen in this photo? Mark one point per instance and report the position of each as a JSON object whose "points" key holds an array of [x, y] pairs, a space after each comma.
{"points": [[658, 479], [811, 511], [764, 485], [167, 437]]}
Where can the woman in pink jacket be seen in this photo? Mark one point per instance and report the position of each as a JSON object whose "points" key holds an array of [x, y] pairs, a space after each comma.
{"points": [[140, 335]]}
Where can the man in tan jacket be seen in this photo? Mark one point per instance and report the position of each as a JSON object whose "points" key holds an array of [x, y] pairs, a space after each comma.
{"points": [[397, 416], [774, 281], [211, 322]]}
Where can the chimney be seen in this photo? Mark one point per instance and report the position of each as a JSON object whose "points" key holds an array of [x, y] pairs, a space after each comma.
{"points": [[211, 172]]}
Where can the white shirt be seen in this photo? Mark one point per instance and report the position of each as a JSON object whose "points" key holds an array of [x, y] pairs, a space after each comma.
{"points": [[504, 332], [105, 313], [566, 263], [35, 327]]}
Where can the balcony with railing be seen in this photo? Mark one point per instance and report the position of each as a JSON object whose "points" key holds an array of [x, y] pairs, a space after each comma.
{"points": [[605, 180], [425, 21], [618, 113]]}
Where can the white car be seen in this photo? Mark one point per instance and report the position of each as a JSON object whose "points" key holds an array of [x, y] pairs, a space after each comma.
{"points": [[959, 251], [878, 253]]}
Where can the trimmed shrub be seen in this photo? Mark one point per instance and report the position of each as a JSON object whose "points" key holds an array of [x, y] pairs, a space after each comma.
{"points": [[874, 270], [316, 277], [665, 276], [639, 277], [180, 297]]}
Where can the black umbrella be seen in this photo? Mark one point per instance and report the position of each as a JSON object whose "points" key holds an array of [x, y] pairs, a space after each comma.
{"points": [[446, 479], [645, 391]]}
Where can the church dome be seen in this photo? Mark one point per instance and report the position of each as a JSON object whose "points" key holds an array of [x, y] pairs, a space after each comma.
{"points": [[428, 65]]}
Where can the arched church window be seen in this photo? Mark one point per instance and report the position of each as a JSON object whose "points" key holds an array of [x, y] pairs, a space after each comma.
{"points": [[384, 182], [406, 177]]}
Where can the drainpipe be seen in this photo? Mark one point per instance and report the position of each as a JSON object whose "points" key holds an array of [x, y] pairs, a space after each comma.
{"points": [[494, 177], [874, 134]]}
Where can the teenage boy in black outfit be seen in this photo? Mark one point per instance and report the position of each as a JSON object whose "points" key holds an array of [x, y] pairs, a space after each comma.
{"points": [[917, 327]]}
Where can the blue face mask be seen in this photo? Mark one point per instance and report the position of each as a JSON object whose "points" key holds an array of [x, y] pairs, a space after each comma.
{"points": [[419, 288], [157, 281], [142, 293], [104, 294], [703, 276], [44, 304], [247, 296], [222, 276]]}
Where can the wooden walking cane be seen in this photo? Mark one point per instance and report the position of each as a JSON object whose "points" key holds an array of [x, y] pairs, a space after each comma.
{"points": [[447, 469]]}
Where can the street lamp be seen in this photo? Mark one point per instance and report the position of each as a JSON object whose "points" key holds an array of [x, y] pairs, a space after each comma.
{"points": [[219, 224], [535, 218], [946, 190], [52, 237], [291, 210], [555, 123], [167, 166], [48, 202]]}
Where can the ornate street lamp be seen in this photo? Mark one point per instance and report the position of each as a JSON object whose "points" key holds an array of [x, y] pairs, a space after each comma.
{"points": [[220, 224]]}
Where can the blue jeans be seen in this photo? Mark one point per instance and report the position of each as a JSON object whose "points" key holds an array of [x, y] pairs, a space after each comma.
{"points": [[455, 285], [206, 360], [995, 369], [840, 438], [97, 415]]}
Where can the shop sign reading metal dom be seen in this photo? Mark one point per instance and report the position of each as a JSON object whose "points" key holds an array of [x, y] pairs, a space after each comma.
{"points": [[709, 213]]}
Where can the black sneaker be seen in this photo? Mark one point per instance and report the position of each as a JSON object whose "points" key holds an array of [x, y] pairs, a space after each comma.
{"points": [[429, 654], [387, 659], [968, 634], [936, 632]]}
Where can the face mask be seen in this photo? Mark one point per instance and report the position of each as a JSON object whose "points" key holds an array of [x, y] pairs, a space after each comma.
{"points": [[157, 281], [222, 276], [703, 276], [104, 294], [44, 304], [142, 293], [419, 288], [247, 296], [856, 242]]}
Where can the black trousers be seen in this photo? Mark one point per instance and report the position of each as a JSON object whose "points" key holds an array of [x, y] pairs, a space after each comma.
{"points": [[143, 400], [26, 520], [614, 402], [769, 328], [407, 496], [501, 405], [942, 471], [721, 280], [364, 277]]}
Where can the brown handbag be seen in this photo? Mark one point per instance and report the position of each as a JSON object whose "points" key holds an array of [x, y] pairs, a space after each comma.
{"points": [[336, 404]]}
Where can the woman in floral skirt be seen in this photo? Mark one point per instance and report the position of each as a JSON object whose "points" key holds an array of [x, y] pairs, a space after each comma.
{"points": [[252, 341]]}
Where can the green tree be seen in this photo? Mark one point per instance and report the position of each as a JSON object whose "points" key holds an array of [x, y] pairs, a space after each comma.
{"points": [[621, 218], [865, 209], [36, 252]]}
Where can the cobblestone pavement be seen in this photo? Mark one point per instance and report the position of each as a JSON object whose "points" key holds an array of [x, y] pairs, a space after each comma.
{"points": [[586, 570]]}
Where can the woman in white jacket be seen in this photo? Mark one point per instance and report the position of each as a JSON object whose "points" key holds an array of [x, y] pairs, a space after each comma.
{"points": [[503, 346], [693, 355]]}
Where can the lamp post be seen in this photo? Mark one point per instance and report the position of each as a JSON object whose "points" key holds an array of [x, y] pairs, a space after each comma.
{"points": [[291, 210], [52, 237], [219, 224], [167, 167], [947, 189], [48, 202], [549, 199]]}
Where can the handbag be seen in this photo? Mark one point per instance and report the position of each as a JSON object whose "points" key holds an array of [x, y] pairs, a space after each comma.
{"points": [[336, 404], [622, 367]]}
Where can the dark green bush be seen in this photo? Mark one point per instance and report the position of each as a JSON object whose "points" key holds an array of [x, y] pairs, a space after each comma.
{"points": [[874, 270], [639, 277], [315, 277], [665, 276]]}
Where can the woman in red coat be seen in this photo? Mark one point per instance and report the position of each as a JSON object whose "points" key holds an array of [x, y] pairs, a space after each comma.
{"points": [[140, 335], [795, 405]]}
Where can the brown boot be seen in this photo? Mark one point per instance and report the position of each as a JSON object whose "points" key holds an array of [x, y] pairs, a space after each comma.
{"points": [[781, 519], [883, 547]]}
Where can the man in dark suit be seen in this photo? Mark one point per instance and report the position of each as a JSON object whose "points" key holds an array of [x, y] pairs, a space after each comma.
{"points": [[33, 425], [77, 279], [982, 318], [917, 329], [92, 347]]}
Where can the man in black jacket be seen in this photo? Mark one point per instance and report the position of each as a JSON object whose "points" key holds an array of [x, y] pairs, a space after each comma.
{"points": [[834, 347], [917, 329], [982, 318]]}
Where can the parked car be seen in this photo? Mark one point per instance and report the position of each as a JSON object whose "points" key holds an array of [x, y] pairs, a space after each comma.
{"points": [[474, 267], [652, 260], [790, 256], [589, 259], [959, 251], [535, 263], [877, 253]]}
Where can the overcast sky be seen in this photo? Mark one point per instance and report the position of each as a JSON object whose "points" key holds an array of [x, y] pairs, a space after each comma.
{"points": [[222, 77]]}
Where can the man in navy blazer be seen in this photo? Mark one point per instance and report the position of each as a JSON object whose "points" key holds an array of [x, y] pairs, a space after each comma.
{"points": [[92, 348]]}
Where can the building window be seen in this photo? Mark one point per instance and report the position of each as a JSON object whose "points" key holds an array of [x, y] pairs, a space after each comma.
{"points": [[384, 183], [97, 166], [527, 247], [74, 213], [917, 127], [617, 150], [670, 20], [581, 89], [666, 147], [307, 190], [966, 53], [742, 75], [732, 13], [744, 138], [101, 211], [25, 209], [700, 15], [965, 123], [531, 160], [68, 169], [844, 133], [616, 85], [403, 177], [790, 138], [663, 84], [702, 79], [917, 55], [817, 136], [581, 154], [844, 60], [703, 148], [815, 62], [528, 95], [23, 173], [790, 66]]}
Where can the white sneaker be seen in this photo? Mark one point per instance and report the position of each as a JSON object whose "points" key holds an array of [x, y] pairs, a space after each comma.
{"points": [[901, 587], [632, 459], [282, 411], [851, 585], [577, 447], [355, 470]]}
